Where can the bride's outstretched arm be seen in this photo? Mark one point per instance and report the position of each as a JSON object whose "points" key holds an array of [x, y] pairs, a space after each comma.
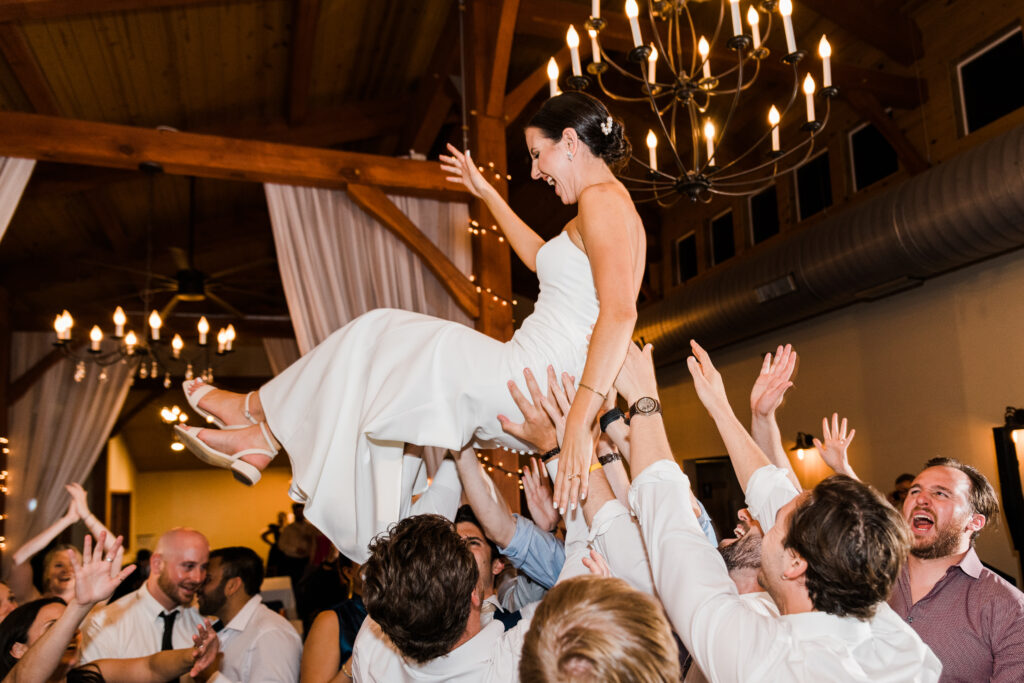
{"points": [[604, 223], [524, 241]]}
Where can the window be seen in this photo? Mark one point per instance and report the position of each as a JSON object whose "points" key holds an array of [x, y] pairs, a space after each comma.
{"points": [[813, 187], [723, 243], [871, 156], [686, 258], [764, 215], [986, 78]]}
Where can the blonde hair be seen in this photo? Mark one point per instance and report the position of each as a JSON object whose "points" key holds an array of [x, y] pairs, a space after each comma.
{"points": [[591, 628]]}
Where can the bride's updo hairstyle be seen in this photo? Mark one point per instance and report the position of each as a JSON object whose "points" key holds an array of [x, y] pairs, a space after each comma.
{"points": [[589, 117]]}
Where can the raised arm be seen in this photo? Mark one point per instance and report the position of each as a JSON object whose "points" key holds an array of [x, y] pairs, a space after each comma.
{"points": [[95, 579], [523, 240], [80, 500], [765, 398], [497, 521], [744, 453], [607, 225]]}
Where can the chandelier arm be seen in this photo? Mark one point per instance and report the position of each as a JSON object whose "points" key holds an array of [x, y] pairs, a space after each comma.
{"points": [[657, 35], [613, 96], [693, 40], [728, 118], [694, 132], [661, 121], [731, 179], [618, 68]]}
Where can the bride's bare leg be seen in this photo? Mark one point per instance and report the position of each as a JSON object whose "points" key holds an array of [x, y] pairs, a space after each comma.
{"points": [[229, 406], [231, 441]]}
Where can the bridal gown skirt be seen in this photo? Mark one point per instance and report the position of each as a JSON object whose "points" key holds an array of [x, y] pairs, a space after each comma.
{"points": [[344, 411]]}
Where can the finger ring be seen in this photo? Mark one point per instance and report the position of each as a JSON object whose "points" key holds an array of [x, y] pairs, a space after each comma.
{"points": [[108, 559], [573, 476]]}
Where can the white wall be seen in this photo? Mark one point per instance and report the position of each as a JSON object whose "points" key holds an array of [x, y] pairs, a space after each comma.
{"points": [[928, 372]]}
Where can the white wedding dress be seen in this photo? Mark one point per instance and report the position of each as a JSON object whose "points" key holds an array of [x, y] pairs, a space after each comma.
{"points": [[344, 411]]}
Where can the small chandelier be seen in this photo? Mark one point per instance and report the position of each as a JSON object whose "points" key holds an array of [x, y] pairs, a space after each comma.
{"points": [[695, 96], [152, 354]]}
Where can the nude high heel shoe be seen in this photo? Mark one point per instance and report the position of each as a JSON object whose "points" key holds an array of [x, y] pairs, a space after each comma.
{"points": [[242, 471]]}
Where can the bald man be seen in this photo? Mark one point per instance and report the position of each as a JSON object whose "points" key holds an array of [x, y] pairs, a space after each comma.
{"points": [[160, 615]]}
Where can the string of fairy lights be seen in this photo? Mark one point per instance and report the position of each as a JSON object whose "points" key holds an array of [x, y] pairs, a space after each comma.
{"points": [[5, 450], [491, 464]]}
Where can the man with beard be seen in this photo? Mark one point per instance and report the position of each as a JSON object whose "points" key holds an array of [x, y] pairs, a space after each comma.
{"points": [[742, 554], [257, 644], [971, 618], [159, 615]]}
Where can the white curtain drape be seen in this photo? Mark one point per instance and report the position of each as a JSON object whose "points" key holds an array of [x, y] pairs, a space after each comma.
{"points": [[338, 262], [281, 352], [14, 175], [57, 430]]}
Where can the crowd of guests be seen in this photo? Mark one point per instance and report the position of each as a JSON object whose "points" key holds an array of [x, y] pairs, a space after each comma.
{"points": [[836, 582]]}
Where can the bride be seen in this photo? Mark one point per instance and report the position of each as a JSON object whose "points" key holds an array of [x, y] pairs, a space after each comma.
{"points": [[345, 410]]}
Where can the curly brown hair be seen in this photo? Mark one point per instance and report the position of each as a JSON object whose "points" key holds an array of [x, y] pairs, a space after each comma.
{"points": [[418, 585], [855, 545]]}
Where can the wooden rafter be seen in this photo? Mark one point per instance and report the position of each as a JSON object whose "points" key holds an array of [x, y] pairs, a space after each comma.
{"points": [[26, 70], [502, 54], [432, 100], [891, 31], [548, 18], [378, 205], [22, 10], [100, 144], [868, 106], [300, 63], [520, 96]]}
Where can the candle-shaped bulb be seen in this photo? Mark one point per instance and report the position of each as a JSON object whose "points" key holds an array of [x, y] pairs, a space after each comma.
{"points": [[786, 10], [119, 320], [229, 337], [709, 136], [753, 18], [95, 337], [825, 52], [595, 8], [809, 94], [68, 323], [773, 120], [652, 65], [130, 341], [58, 326], [204, 329], [704, 49], [632, 11], [572, 39], [221, 339], [594, 47], [177, 345], [154, 324], [734, 10], [553, 76], [652, 149]]}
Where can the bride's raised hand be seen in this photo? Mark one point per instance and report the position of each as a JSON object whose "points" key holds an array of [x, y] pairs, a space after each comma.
{"points": [[463, 169]]}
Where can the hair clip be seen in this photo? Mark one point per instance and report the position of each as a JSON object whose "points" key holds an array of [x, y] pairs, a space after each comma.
{"points": [[606, 127]]}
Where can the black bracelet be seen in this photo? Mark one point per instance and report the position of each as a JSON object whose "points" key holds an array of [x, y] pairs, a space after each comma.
{"points": [[550, 454], [609, 417], [608, 458]]}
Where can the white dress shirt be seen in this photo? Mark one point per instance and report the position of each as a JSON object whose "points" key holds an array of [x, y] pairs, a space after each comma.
{"points": [[133, 627], [259, 646], [728, 639]]}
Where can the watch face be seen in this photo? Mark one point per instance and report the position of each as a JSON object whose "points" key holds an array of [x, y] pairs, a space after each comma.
{"points": [[646, 405]]}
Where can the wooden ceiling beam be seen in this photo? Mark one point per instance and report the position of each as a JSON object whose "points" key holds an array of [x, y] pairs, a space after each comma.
{"points": [[114, 146], [26, 70], [549, 19], [891, 31], [377, 204], [25, 10], [433, 100], [502, 54], [300, 62], [520, 96]]}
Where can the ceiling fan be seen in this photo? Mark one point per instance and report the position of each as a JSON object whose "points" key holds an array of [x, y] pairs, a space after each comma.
{"points": [[189, 283]]}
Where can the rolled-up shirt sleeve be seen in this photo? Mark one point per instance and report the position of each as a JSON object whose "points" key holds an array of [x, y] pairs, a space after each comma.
{"points": [[535, 552], [768, 490]]}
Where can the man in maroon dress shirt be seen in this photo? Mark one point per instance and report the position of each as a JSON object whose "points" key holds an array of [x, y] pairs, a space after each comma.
{"points": [[971, 618]]}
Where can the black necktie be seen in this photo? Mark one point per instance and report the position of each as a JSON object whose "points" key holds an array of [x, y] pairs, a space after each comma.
{"points": [[168, 618]]}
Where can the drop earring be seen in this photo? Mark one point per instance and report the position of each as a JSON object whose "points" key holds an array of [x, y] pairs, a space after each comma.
{"points": [[569, 155]]}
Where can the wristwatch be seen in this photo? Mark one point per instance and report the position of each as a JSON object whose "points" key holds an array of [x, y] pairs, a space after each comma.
{"points": [[644, 406]]}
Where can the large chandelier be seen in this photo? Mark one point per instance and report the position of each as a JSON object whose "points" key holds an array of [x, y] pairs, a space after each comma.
{"points": [[154, 356], [694, 86]]}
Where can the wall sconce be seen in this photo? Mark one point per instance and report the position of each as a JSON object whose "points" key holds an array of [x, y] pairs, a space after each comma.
{"points": [[804, 442], [1009, 441]]}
